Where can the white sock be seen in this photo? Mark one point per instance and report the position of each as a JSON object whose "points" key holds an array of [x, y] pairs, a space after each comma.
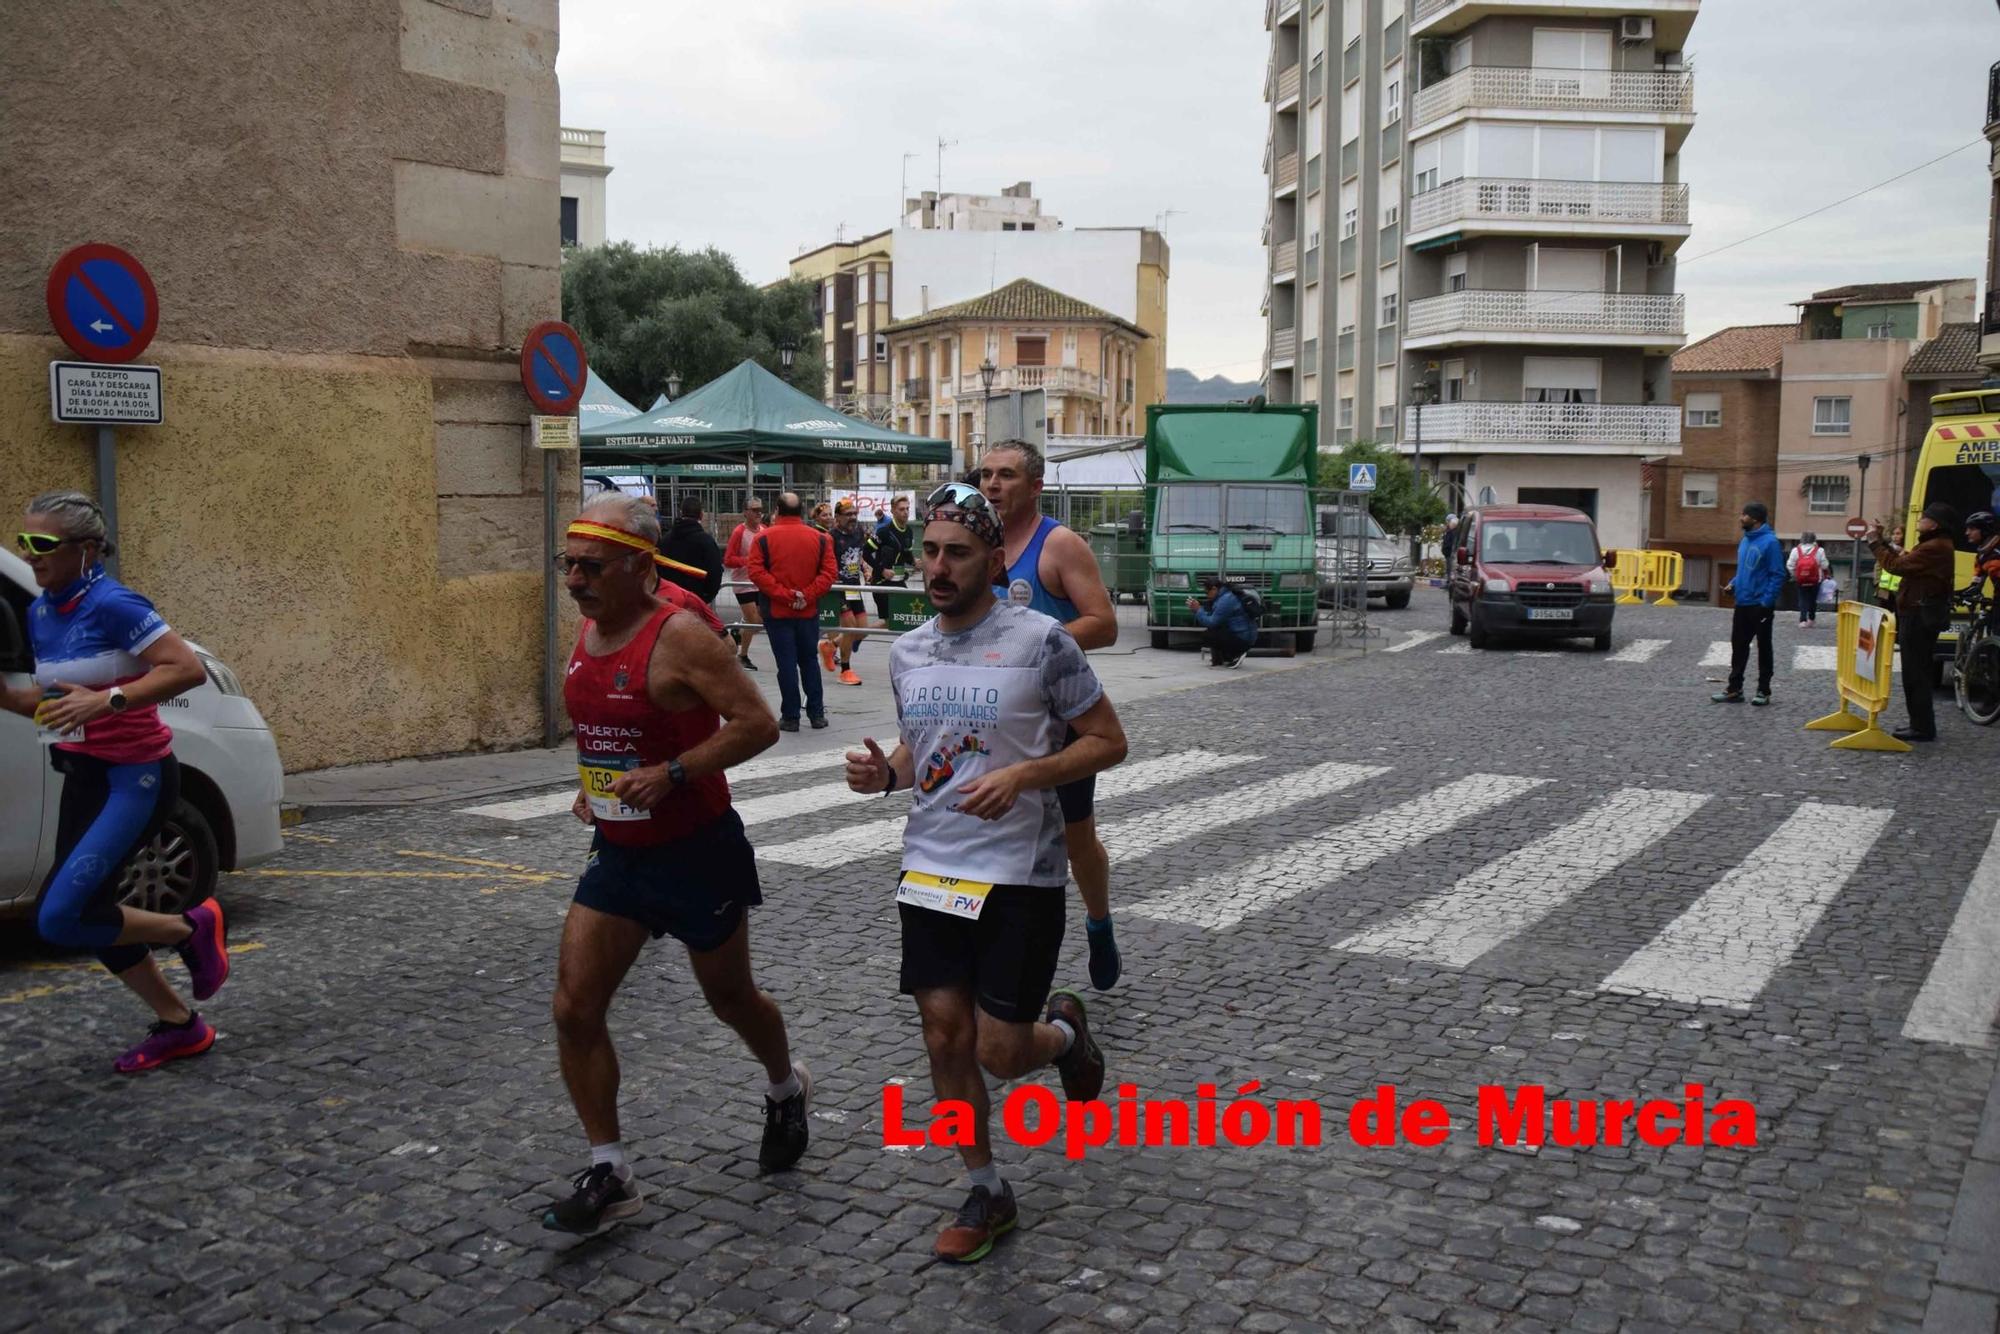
{"points": [[786, 1088], [987, 1176], [1069, 1035], [613, 1153]]}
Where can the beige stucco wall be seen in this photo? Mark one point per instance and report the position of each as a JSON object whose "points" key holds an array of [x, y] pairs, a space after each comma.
{"points": [[349, 210], [1869, 371]]}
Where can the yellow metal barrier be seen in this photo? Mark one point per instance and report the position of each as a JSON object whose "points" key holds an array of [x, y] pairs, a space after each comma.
{"points": [[1628, 576], [1663, 575], [1636, 572], [1864, 674]]}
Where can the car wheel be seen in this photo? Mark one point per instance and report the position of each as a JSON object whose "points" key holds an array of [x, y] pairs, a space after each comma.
{"points": [[1457, 620], [1475, 630], [177, 869], [1304, 641], [1397, 601], [1601, 643]]}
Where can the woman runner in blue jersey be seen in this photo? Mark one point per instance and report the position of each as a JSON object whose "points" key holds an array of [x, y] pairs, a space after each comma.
{"points": [[104, 661]]}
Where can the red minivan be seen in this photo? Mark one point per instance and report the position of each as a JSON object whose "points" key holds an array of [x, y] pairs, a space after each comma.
{"points": [[1529, 570]]}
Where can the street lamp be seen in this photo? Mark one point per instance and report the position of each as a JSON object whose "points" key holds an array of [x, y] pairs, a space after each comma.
{"points": [[673, 385], [788, 351], [987, 370]]}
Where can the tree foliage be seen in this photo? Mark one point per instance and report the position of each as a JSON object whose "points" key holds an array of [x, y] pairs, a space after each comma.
{"points": [[1396, 502], [644, 313]]}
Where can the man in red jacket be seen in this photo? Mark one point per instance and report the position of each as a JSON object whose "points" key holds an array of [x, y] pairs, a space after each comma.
{"points": [[792, 564]]}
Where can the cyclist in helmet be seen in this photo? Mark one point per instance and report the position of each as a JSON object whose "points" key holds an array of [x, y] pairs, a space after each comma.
{"points": [[1982, 534]]}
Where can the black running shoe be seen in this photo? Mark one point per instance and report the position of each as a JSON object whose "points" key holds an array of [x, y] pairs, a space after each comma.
{"points": [[785, 1132], [1082, 1069], [601, 1200], [1104, 960], [980, 1221]]}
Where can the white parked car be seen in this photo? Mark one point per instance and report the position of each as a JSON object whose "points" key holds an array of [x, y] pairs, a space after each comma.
{"points": [[232, 784]]}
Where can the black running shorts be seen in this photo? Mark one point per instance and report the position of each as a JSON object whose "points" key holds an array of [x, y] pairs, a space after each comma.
{"points": [[1078, 799], [695, 889], [1007, 957]]}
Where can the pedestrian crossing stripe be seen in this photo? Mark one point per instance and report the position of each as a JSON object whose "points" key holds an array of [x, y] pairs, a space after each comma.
{"points": [[1804, 657], [1639, 650], [1722, 950], [558, 802]]}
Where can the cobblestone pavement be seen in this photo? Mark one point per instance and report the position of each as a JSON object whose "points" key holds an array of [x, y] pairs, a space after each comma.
{"points": [[1475, 898]]}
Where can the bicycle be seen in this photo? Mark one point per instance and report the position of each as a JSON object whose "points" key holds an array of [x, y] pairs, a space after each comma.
{"points": [[1975, 665]]}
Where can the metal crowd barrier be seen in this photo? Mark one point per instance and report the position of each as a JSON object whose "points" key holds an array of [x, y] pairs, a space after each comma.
{"points": [[1636, 572], [1864, 676]]}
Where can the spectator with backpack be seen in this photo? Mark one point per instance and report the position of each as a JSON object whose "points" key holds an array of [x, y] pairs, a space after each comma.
{"points": [[1230, 614], [1807, 565]]}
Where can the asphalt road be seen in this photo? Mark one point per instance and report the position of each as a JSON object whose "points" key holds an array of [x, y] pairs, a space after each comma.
{"points": [[1430, 867]]}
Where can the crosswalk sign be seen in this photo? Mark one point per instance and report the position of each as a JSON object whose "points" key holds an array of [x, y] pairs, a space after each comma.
{"points": [[1360, 477]]}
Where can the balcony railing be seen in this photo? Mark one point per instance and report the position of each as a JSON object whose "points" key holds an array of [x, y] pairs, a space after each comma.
{"points": [[1612, 314], [1284, 344], [1557, 424], [1285, 257], [916, 391], [1509, 88], [1053, 379], [1288, 172], [1506, 200], [1288, 83]]}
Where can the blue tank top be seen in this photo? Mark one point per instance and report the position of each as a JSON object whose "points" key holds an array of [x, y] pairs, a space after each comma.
{"points": [[1024, 580]]}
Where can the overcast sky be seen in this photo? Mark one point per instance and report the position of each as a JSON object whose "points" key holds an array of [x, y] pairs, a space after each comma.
{"points": [[762, 127]]}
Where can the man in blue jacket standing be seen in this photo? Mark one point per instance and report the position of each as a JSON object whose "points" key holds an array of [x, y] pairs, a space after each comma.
{"points": [[1760, 577]]}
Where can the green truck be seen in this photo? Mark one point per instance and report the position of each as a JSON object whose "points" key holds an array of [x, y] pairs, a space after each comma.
{"points": [[1229, 492]]}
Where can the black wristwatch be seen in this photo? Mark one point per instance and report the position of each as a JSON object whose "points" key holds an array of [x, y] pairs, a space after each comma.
{"points": [[892, 781], [675, 774]]}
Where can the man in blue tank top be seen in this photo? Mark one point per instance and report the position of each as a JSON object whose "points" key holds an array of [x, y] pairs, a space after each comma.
{"points": [[1050, 569]]}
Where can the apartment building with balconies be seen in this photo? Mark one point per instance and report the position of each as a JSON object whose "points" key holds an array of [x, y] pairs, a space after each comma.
{"points": [[853, 286], [1084, 359], [1544, 209], [1333, 160]]}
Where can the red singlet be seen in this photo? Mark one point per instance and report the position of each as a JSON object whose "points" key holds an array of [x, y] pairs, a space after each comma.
{"points": [[619, 728]]}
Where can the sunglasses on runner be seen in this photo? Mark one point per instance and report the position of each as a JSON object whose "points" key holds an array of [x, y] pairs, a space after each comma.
{"points": [[42, 544], [591, 567], [962, 494]]}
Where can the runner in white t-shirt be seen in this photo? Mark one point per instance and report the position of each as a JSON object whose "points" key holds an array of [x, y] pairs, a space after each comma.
{"points": [[985, 693]]}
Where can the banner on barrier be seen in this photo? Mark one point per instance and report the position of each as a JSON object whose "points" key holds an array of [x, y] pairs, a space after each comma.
{"points": [[1866, 637]]}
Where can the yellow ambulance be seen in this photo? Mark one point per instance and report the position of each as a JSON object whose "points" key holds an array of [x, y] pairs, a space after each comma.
{"points": [[1959, 465]]}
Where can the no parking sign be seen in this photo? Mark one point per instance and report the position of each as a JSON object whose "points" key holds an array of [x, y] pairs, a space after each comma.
{"points": [[553, 367], [102, 303]]}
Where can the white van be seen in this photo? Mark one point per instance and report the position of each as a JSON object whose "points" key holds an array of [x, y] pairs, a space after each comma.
{"points": [[232, 784]]}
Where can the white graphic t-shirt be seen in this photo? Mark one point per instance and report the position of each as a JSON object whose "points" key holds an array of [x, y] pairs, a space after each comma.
{"points": [[995, 694]]}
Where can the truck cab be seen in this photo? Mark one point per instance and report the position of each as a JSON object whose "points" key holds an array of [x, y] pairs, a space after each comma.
{"points": [[1229, 493], [1960, 466]]}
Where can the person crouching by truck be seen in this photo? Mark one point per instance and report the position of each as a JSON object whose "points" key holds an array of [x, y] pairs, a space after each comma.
{"points": [[1231, 632], [1923, 608]]}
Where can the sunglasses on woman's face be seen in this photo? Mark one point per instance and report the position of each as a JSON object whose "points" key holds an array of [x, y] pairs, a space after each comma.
{"points": [[41, 544]]}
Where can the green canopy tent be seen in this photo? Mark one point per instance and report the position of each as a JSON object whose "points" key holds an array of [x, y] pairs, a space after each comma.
{"points": [[600, 404], [746, 415]]}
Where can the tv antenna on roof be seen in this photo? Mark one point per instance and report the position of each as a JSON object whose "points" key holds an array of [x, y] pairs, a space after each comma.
{"points": [[942, 145], [1160, 219]]}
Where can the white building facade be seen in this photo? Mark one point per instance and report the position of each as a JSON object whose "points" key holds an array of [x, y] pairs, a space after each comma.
{"points": [[584, 170], [1505, 205]]}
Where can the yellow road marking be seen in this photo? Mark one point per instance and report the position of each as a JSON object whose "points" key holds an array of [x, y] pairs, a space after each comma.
{"points": [[537, 878], [474, 861], [37, 992], [309, 838]]}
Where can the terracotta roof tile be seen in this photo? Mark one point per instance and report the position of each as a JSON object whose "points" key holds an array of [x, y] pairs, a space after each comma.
{"points": [[1954, 352], [1740, 348], [1021, 301], [1864, 292]]}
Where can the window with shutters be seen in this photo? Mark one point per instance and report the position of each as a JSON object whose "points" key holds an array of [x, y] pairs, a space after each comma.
{"points": [[1698, 490], [1704, 409], [1031, 351], [1827, 495]]}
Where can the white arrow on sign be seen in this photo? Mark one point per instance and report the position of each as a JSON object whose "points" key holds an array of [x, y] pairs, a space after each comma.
{"points": [[99, 326]]}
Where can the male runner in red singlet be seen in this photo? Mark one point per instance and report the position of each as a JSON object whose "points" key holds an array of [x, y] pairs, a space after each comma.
{"points": [[660, 712]]}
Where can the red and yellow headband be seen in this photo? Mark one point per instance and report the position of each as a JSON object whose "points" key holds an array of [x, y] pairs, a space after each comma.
{"points": [[600, 532]]}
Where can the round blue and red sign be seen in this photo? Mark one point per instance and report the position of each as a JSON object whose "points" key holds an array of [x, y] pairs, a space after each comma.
{"points": [[553, 367], [102, 303]]}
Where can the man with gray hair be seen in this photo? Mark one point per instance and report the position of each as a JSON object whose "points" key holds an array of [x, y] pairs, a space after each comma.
{"points": [[660, 712]]}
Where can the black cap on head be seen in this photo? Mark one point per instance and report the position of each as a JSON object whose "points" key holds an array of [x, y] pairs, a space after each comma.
{"points": [[1941, 514], [1755, 509]]}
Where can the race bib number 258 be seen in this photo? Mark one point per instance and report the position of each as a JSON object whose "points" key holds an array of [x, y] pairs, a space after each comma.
{"points": [[604, 804]]}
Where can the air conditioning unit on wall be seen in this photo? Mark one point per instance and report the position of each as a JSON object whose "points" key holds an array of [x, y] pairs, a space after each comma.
{"points": [[1634, 29]]}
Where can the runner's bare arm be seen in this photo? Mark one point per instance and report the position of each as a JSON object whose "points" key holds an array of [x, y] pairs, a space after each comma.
{"points": [[1078, 579], [21, 701], [171, 669], [1099, 744], [868, 770], [691, 659]]}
